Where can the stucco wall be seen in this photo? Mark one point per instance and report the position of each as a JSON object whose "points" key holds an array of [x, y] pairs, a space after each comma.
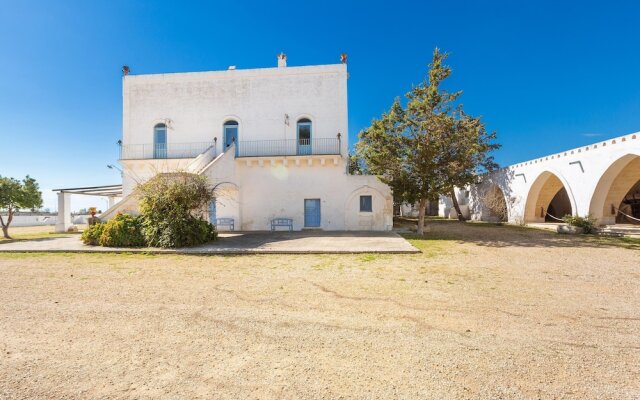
{"points": [[195, 105]]}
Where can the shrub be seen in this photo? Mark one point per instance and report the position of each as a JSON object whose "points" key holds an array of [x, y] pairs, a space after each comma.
{"points": [[178, 232], [122, 231], [170, 206], [92, 234], [587, 223]]}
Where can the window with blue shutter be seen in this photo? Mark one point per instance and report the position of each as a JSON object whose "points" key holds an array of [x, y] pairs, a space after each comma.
{"points": [[366, 204]]}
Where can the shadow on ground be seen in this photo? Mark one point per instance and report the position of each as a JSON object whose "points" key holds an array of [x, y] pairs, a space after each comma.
{"points": [[494, 235]]}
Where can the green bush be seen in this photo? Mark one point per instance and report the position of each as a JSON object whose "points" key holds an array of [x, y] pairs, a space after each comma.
{"points": [[178, 232], [588, 224], [171, 205], [92, 234], [122, 231]]}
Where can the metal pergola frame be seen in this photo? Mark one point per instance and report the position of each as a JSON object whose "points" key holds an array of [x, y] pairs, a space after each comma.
{"points": [[107, 190]]}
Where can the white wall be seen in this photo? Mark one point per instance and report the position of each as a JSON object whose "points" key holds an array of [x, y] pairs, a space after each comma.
{"points": [[195, 105]]}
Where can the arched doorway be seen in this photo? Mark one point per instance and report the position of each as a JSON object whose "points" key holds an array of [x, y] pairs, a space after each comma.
{"points": [[494, 205], [616, 198], [548, 200]]}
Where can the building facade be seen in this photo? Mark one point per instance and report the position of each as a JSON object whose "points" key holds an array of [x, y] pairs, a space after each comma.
{"points": [[272, 142]]}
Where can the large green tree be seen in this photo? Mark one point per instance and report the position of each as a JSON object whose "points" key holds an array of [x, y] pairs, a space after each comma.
{"points": [[16, 195], [428, 147]]}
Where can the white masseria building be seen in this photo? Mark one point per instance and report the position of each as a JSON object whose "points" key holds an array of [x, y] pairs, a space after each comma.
{"points": [[272, 142]]}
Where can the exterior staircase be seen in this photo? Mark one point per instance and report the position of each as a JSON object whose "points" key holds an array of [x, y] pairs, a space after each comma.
{"points": [[129, 203]]}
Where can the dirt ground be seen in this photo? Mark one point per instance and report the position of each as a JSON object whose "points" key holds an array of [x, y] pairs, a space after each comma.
{"points": [[483, 312]]}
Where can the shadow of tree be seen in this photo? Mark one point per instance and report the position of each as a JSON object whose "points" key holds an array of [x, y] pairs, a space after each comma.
{"points": [[502, 236]]}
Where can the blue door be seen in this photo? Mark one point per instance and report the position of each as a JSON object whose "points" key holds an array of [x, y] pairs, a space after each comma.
{"points": [[212, 212], [160, 141], [304, 137], [311, 213], [230, 135]]}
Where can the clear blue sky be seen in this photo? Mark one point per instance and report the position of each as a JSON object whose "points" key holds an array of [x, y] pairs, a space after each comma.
{"points": [[545, 75]]}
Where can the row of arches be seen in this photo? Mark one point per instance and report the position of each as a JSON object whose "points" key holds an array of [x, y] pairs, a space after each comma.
{"points": [[615, 199], [230, 135]]}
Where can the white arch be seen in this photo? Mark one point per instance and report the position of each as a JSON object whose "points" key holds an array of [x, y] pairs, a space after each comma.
{"points": [[602, 197], [531, 213]]}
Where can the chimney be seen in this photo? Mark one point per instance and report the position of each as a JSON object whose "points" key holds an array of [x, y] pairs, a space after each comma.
{"points": [[282, 60]]}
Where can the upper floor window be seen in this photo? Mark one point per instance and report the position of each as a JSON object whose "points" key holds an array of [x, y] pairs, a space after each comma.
{"points": [[230, 133], [160, 141], [366, 204], [304, 136]]}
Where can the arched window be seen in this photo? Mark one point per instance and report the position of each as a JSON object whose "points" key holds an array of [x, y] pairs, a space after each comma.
{"points": [[160, 141], [230, 133], [304, 136]]}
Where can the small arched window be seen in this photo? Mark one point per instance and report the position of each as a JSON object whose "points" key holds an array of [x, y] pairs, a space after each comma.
{"points": [[230, 133], [304, 136], [160, 141]]}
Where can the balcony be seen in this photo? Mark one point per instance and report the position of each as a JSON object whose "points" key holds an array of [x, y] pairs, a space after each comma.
{"points": [[288, 147], [163, 151]]}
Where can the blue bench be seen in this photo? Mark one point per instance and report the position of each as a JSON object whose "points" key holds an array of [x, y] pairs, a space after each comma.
{"points": [[226, 222], [282, 222]]}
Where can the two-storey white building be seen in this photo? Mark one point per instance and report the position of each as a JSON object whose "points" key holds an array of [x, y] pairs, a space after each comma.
{"points": [[272, 142]]}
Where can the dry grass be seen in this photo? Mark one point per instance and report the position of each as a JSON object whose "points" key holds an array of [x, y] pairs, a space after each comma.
{"points": [[484, 312]]}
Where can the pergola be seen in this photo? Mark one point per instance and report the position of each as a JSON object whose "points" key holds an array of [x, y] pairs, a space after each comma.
{"points": [[112, 192]]}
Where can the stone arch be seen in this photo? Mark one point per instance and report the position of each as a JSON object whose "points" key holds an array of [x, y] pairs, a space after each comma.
{"points": [[612, 188], [374, 220], [227, 196], [494, 205], [549, 193]]}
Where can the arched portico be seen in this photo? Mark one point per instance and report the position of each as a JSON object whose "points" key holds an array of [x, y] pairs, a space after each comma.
{"points": [[549, 197], [615, 185]]}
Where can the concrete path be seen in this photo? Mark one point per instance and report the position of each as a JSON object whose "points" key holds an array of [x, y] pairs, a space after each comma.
{"points": [[242, 243]]}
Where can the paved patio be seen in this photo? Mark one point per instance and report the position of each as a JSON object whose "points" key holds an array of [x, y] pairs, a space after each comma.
{"points": [[305, 242]]}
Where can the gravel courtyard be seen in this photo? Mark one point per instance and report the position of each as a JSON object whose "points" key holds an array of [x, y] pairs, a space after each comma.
{"points": [[483, 312]]}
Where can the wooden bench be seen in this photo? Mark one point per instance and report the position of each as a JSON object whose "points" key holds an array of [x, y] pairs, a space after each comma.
{"points": [[226, 222], [282, 222]]}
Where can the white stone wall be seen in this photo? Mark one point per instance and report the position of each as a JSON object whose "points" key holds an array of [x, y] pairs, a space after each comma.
{"points": [[195, 105]]}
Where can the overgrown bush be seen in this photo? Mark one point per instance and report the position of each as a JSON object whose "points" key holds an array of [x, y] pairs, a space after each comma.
{"points": [[92, 234], [123, 230], [171, 206], [178, 232], [588, 224]]}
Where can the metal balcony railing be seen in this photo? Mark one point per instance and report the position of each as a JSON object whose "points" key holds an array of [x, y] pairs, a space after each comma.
{"points": [[162, 151], [288, 147]]}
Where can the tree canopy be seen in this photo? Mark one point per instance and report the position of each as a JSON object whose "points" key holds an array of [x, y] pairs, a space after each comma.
{"points": [[16, 195], [430, 146]]}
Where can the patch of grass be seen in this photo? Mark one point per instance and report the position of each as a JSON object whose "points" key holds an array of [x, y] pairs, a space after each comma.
{"points": [[369, 257]]}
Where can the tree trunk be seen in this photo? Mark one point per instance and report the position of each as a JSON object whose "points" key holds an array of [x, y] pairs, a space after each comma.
{"points": [[5, 226], [421, 212], [454, 199]]}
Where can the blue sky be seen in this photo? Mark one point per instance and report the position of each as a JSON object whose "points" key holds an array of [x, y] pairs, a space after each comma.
{"points": [[545, 75]]}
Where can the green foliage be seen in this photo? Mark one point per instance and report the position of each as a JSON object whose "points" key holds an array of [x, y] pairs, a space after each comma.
{"points": [[178, 232], [588, 224], [16, 195], [171, 205], [92, 234], [357, 165], [123, 230], [430, 146]]}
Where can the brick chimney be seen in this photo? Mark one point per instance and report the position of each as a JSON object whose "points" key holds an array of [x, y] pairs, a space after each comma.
{"points": [[282, 60]]}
